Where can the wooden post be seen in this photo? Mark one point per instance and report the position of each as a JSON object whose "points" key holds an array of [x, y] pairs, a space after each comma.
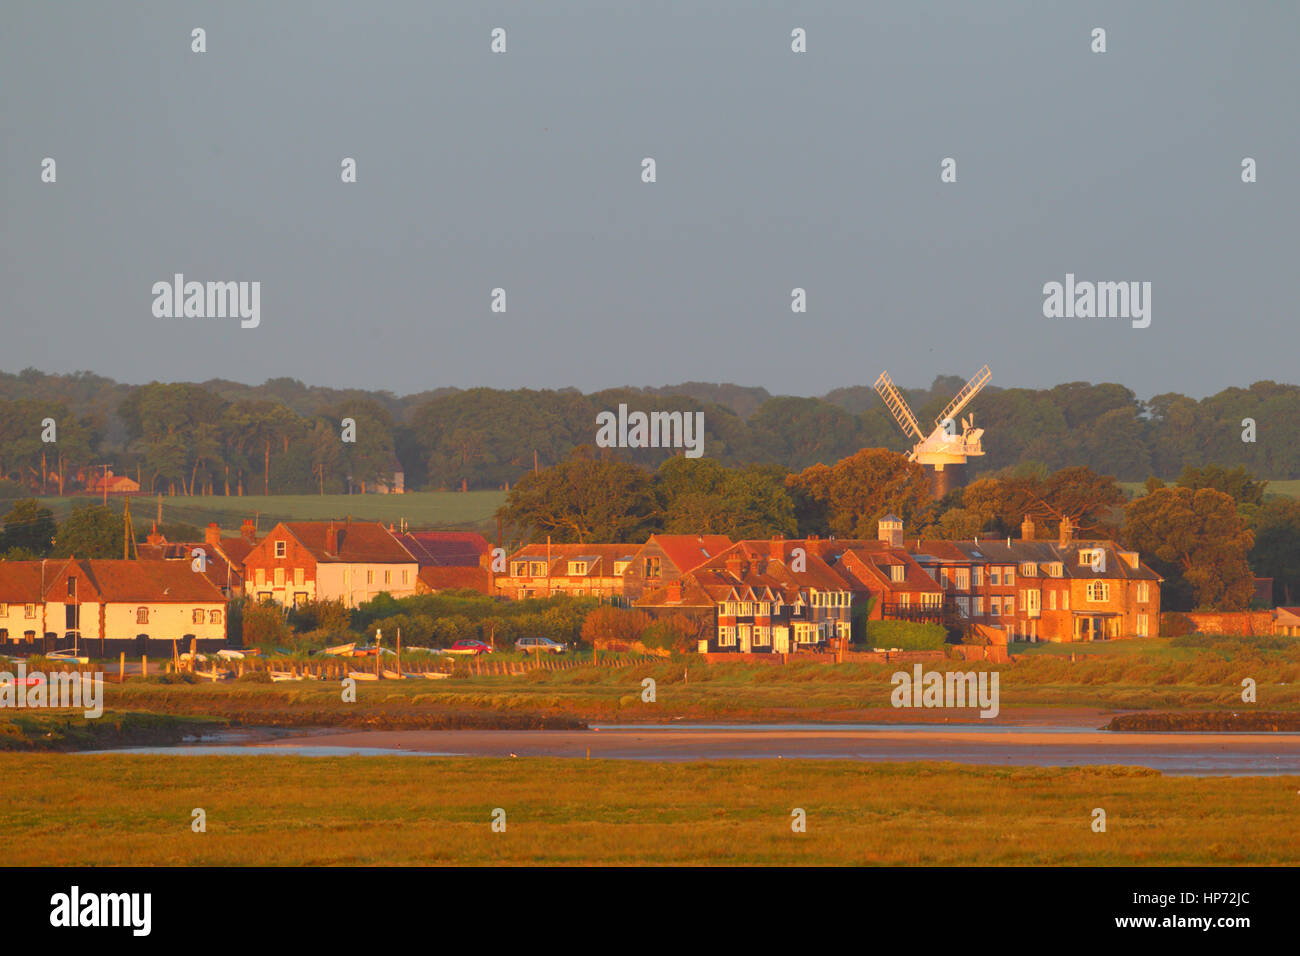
{"points": [[144, 665], [121, 668]]}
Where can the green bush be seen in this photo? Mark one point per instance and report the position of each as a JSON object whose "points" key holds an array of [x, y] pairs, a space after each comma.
{"points": [[905, 635], [264, 625]]}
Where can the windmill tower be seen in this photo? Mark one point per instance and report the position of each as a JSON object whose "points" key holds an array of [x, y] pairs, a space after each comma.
{"points": [[944, 451]]}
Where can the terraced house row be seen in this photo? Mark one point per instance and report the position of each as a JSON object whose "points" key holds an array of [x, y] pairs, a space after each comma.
{"points": [[784, 595], [756, 596]]}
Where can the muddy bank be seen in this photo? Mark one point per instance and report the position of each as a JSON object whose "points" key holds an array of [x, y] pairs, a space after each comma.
{"points": [[58, 732], [1209, 722]]}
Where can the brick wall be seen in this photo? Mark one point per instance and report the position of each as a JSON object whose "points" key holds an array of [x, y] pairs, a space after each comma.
{"points": [[1239, 623]]}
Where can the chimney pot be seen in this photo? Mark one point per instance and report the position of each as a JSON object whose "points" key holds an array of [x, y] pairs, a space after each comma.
{"points": [[1067, 531], [213, 534]]}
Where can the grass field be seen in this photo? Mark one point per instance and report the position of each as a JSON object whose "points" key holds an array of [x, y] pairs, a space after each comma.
{"points": [[421, 509], [282, 810]]}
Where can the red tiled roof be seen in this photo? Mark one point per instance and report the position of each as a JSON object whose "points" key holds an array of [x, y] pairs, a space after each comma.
{"points": [[459, 548], [688, 551], [145, 582], [21, 581], [150, 582], [446, 577], [360, 542]]}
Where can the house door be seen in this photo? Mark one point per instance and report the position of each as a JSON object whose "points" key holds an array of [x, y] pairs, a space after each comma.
{"points": [[72, 617], [781, 640], [745, 630]]}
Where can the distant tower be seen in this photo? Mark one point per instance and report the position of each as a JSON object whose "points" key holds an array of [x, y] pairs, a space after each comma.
{"points": [[890, 530], [944, 451]]}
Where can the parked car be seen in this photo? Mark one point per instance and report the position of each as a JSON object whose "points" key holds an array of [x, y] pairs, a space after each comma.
{"points": [[470, 647], [539, 645]]}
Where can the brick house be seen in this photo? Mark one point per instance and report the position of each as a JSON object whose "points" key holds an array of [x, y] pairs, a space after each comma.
{"points": [[103, 607], [664, 558], [765, 598], [578, 570], [223, 556], [352, 562], [1060, 591]]}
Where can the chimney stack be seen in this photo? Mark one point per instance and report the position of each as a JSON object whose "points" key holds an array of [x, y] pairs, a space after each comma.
{"points": [[1067, 531], [1027, 529], [248, 530], [733, 564], [212, 535], [331, 539]]}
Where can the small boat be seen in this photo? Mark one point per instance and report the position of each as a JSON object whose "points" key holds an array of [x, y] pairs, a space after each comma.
{"points": [[435, 675], [228, 655], [212, 675], [363, 675], [278, 676], [68, 657], [340, 650]]}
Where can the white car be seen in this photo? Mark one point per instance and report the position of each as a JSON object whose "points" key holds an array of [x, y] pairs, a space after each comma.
{"points": [[538, 645]]}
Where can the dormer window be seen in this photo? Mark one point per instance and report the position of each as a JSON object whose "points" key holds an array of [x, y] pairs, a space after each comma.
{"points": [[1094, 558], [897, 573], [577, 568]]}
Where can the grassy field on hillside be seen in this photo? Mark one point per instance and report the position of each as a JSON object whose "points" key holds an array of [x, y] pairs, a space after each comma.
{"points": [[284, 810], [421, 509]]}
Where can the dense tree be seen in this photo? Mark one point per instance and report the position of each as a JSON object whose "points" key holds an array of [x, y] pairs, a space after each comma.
{"points": [[90, 532], [1237, 483], [586, 498], [847, 499], [1198, 541], [29, 527], [1276, 553], [700, 496]]}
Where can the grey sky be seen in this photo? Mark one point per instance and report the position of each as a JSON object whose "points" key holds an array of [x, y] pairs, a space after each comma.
{"points": [[775, 170]]}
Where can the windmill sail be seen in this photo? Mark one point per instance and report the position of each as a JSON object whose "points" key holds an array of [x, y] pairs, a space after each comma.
{"points": [[898, 407], [962, 399]]}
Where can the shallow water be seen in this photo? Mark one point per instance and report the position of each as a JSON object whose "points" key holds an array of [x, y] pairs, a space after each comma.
{"points": [[1185, 753]]}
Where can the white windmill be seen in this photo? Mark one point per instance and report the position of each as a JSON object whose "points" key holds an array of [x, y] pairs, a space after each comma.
{"points": [[944, 451]]}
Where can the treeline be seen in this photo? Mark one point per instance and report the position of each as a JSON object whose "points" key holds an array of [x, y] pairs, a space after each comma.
{"points": [[222, 437]]}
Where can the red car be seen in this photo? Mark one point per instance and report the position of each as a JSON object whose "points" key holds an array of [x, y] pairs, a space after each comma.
{"points": [[470, 647]]}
